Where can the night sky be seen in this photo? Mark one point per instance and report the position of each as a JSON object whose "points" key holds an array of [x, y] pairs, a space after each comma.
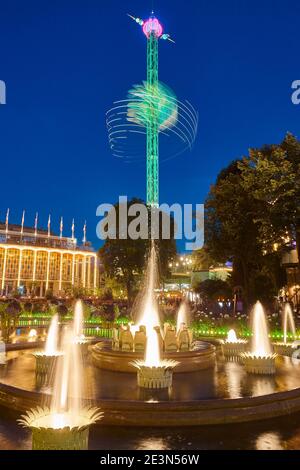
{"points": [[65, 62]]}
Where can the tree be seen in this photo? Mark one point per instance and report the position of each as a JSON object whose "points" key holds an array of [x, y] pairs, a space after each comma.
{"points": [[272, 175], [231, 233], [213, 289], [234, 218], [62, 310], [202, 259], [124, 259], [9, 314]]}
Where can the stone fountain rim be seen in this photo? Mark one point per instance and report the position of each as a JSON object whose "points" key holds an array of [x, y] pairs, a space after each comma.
{"points": [[17, 399], [211, 411], [174, 403]]}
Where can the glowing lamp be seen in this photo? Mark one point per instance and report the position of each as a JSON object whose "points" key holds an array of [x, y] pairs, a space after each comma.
{"points": [[152, 25]]}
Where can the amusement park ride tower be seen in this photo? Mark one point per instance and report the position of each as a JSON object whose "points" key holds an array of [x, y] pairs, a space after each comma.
{"points": [[153, 31]]}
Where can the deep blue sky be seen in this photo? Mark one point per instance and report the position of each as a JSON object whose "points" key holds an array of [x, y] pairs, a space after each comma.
{"points": [[65, 61]]}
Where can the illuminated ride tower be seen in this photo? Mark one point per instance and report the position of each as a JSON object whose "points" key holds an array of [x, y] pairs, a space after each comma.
{"points": [[151, 108], [153, 31]]}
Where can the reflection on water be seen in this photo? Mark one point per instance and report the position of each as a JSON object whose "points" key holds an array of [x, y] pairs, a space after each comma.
{"points": [[234, 375], [263, 385], [225, 380], [13, 436], [269, 441], [149, 443], [278, 434]]}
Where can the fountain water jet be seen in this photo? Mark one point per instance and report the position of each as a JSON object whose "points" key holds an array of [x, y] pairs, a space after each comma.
{"points": [[65, 424], [152, 371], [286, 348], [80, 339], [2, 353], [52, 337], [288, 318], [231, 337], [148, 315], [261, 359], [183, 332], [45, 360], [182, 316], [232, 346]]}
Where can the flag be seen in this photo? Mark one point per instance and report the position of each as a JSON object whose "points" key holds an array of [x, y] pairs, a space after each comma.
{"points": [[6, 220], [61, 227], [49, 225], [73, 228], [36, 223], [84, 233], [22, 222]]}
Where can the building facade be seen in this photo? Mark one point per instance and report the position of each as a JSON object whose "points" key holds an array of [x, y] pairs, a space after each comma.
{"points": [[186, 273], [36, 261], [291, 264]]}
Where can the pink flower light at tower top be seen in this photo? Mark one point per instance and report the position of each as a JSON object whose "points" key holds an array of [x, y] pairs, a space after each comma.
{"points": [[152, 25]]}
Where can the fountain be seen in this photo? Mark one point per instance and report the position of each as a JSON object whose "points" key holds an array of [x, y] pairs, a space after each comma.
{"points": [[80, 339], [32, 336], [183, 332], [45, 360], [182, 316], [286, 348], [232, 346], [261, 359], [126, 339], [129, 343], [64, 425], [152, 371], [2, 353]]}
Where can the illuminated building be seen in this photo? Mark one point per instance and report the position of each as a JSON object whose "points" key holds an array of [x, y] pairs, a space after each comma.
{"points": [[290, 262], [34, 260], [186, 272]]}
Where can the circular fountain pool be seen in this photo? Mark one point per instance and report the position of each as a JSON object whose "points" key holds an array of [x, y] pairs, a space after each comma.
{"points": [[222, 394], [202, 356]]}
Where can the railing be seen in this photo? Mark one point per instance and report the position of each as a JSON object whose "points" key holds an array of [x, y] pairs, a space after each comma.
{"points": [[41, 240], [44, 322], [102, 328]]}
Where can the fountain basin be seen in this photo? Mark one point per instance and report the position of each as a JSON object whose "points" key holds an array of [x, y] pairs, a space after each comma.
{"points": [[155, 376], [227, 394], [84, 346], [60, 431], [44, 366], [203, 356], [284, 349], [255, 364], [234, 349]]}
